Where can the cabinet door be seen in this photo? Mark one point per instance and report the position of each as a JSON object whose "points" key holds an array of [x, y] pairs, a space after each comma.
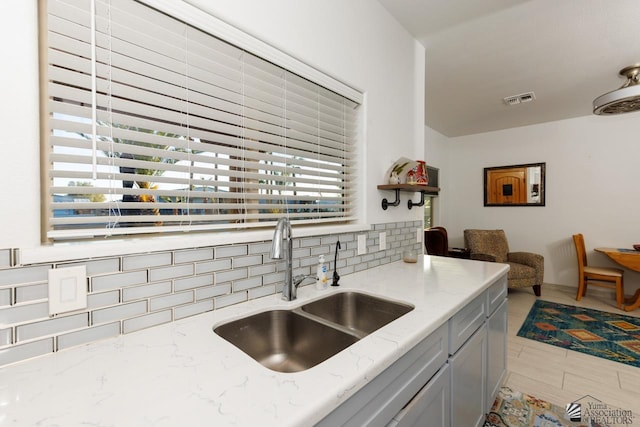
{"points": [[497, 352], [430, 407], [469, 381]]}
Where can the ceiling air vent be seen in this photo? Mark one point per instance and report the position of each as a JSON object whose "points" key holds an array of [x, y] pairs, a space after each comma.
{"points": [[517, 99]]}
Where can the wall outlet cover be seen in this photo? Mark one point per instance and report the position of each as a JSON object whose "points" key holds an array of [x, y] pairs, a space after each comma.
{"points": [[67, 289], [383, 241], [362, 244]]}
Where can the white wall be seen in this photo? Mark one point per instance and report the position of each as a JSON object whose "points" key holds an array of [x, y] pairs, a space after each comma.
{"points": [[436, 154], [357, 42], [593, 187]]}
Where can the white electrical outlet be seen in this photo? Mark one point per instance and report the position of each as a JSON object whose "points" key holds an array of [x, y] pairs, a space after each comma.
{"points": [[383, 241], [362, 244], [419, 234], [67, 289]]}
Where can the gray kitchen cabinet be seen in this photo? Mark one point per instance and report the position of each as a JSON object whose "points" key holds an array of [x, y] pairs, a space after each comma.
{"points": [[478, 349], [449, 379], [469, 381], [382, 398], [497, 352], [430, 407]]}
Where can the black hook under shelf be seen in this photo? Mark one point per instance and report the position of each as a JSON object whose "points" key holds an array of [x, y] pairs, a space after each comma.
{"points": [[411, 203], [386, 204]]}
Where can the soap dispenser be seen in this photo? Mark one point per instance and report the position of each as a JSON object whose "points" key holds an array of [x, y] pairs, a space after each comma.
{"points": [[321, 274]]}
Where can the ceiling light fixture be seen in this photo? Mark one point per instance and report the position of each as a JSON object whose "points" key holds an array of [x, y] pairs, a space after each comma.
{"points": [[623, 100]]}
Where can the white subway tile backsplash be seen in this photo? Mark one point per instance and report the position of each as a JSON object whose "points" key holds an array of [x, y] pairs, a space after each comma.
{"points": [[119, 280], [309, 242], [52, 326], [145, 291], [193, 282], [230, 299], [260, 248], [251, 282], [192, 309], [134, 292], [5, 258], [301, 253], [103, 299], [212, 291], [212, 266], [25, 351], [262, 291], [321, 250], [31, 292], [24, 313], [246, 261], [230, 251], [18, 275], [5, 297], [173, 300], [259, 270], [137, 262], [6, 336], [119, 312], [192, 255], [227, 276], [97, 266], [88, 335], [147, 321], [268, 279], [165, 273]]}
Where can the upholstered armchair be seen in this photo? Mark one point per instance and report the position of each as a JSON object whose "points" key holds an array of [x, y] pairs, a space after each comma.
{"points": [[526, 269]]}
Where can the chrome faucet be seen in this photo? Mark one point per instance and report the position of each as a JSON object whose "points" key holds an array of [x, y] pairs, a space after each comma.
{"points": [[283, 231]]}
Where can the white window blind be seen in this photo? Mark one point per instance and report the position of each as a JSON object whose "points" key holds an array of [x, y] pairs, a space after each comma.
{"points": [[157, 126]]}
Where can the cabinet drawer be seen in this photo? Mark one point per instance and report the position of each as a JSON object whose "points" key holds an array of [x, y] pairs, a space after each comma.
{"points": [[464, 323], [496, 294]]}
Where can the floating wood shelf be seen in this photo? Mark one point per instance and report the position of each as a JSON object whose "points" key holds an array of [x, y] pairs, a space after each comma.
{"points": [[422, 189]]}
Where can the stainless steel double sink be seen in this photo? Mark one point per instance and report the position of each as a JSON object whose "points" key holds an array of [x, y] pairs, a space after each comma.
{"points": [[298, 339]]}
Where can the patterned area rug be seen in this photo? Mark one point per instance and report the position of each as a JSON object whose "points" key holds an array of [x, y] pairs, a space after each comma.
{"points": [[515, 409], [598, 333]]}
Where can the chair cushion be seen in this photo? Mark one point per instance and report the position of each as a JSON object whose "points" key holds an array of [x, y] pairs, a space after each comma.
{"points": [[520, 271], [520, 275]]}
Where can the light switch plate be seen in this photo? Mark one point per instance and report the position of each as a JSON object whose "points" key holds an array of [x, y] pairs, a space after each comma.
{"points": [[67, 289], [362, 244], [383, 241]]}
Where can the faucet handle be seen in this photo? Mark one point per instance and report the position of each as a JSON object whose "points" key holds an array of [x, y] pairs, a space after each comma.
{"points": [[301, 277]]}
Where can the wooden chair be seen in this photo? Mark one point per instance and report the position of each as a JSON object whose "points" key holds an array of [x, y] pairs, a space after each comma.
{"points": [[606, 277]]}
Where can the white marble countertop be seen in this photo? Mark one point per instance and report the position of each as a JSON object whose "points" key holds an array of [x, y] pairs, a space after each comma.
{"points": [[183, 374]]}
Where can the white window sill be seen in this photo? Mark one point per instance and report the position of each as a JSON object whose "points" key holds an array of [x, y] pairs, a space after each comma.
{"points": [[115, 247]]}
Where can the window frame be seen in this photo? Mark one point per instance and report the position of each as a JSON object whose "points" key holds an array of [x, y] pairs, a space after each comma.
{"points": [[203, 20]]}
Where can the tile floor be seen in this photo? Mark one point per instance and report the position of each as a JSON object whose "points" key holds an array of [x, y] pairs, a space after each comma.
{"points": [[562, 376]]}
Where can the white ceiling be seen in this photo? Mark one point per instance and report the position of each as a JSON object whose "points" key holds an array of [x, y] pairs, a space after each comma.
{"points": [[480, 51]]}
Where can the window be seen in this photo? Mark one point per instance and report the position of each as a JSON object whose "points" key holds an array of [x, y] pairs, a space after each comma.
{"points": [[155, 125], [428, 212]]}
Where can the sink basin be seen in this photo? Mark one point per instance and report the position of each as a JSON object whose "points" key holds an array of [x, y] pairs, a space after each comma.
{"points": [[285, 341], [360, 313]]}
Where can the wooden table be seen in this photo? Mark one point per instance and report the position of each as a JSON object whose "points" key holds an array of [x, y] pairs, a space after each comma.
{"points": [[630, 259]]}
